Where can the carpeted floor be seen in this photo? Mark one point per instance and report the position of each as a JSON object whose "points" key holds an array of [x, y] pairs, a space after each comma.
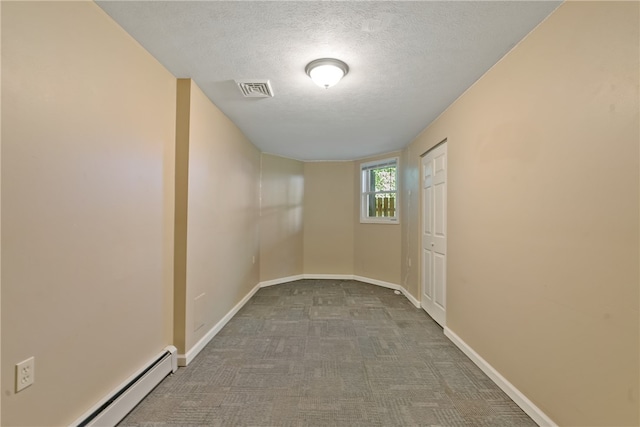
{"points": [[329, 353]]}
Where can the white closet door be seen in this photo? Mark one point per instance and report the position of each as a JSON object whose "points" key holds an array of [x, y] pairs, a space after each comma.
{"points": [[434, 233]]}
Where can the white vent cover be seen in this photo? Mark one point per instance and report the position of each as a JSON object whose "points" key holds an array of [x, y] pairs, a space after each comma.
{"points": [[255, 88]]}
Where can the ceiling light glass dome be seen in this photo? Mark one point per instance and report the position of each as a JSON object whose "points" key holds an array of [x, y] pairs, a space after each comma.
{"points": [[326, 72]]}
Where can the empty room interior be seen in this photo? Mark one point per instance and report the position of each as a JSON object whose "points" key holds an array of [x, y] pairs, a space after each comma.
{"points": [[167, 165]]}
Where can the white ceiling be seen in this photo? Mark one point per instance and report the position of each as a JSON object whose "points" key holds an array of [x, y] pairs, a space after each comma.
{"points": [[408, 61]]}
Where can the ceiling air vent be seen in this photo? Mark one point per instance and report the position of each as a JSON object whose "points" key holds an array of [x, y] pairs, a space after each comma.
{"points": [[255, 88]]}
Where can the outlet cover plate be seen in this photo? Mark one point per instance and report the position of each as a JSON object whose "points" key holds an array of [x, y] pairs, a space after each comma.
{"points": [[25, 374]]}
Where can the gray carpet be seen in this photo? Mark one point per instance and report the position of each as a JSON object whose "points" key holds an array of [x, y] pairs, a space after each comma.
{"points": [[329, 353]]}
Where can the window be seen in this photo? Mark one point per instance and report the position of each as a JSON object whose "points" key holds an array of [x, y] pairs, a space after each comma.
{"points": [[379, 191]]}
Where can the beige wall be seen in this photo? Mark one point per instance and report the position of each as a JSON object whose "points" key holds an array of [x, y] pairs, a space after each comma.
{"points": [[376, 246], [328, 217], [543, 164], [183, 115], [543, 214], [409, 222], [87, 188], [0, 222], [281, 214], [223, 217], [328, 238]]}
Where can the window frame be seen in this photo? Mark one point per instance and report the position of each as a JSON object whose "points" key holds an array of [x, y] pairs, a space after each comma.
{"points": [[364, 195]]}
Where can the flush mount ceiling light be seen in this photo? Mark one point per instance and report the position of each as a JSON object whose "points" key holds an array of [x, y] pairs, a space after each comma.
{"points": [[326, 72]]}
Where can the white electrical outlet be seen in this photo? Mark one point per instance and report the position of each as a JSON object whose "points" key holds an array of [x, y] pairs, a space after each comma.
{"points": [[25, 374], [254, 259]]}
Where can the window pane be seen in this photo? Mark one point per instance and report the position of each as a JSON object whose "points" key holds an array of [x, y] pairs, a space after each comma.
{"points": [[382, 205], [372, 180], [384, 179], [371, 203]]}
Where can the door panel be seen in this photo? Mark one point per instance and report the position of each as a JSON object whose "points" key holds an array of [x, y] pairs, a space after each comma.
{"points": [[439, 274], [427, 217], [439, 211], [427, 258]]}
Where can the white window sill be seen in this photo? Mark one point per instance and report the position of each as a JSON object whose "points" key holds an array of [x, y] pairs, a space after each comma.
{"points": [[379, 221]]}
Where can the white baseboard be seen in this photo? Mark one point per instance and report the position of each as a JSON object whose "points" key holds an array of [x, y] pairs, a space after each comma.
{"points": [[520, 399], [281, 280], [400, 288], [377, 282], [185, 359], [410, 297], [110, 410], [329, 276]]}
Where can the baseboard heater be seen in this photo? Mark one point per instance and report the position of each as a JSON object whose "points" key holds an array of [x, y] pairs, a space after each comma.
{"points": [[112, 409]]}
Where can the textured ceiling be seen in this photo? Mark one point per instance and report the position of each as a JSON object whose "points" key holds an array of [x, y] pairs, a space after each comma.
{"points": [[408, 61]]}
